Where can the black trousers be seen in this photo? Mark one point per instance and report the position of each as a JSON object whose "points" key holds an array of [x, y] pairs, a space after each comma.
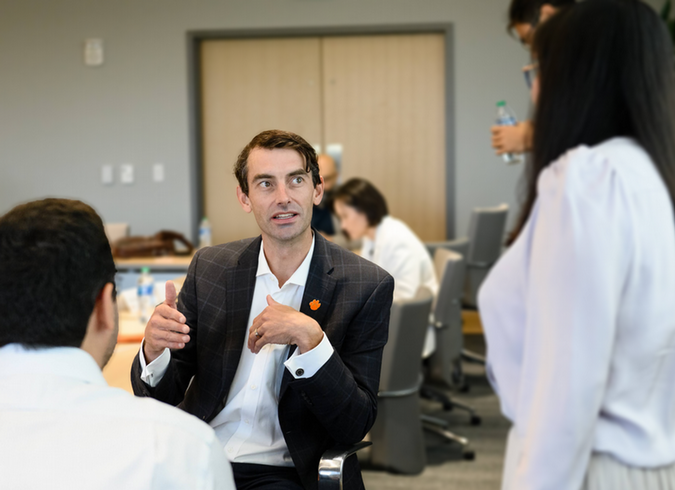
{"points": [[248, 476]]}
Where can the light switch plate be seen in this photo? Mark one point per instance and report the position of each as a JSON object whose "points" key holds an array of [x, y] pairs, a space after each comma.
{"points": [[127, 173], [107, 175], [158, 172]]}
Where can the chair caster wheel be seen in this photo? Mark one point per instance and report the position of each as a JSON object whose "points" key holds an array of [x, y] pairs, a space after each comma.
{"points": [[475, 420], [469, 455]]}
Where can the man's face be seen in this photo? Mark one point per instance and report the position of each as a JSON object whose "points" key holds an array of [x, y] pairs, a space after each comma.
{"points": [[525, 33], [281, 193]]}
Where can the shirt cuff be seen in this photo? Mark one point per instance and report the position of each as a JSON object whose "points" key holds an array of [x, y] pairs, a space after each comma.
{"points": [[152, 374], [306, 365]]}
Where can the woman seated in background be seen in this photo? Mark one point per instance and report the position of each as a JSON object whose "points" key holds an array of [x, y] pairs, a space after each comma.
{"points": [[579, 314], [387, 241]]}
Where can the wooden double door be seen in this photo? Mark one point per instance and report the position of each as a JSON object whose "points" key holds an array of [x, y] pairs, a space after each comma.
{"points": [[381, 97]]}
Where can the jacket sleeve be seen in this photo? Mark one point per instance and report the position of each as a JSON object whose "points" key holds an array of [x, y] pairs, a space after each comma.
{"points": [[343, 393], [182, 366]]}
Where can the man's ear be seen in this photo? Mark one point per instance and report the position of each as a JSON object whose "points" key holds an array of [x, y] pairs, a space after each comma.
{"points": [[243, 200], [104, 309], [546, 11], [318, 191]]}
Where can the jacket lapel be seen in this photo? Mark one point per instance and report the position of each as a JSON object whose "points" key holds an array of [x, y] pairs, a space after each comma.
{"points": [[240, 288], [318, 294]]}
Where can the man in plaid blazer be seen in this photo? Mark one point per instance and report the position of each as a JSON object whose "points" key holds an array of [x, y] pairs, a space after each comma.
{"points": [[276, 341]]}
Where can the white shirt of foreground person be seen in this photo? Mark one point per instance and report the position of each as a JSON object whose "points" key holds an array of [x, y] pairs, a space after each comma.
{"points": [[399, 252], [248, 426], [579, 319], [63, 428]]}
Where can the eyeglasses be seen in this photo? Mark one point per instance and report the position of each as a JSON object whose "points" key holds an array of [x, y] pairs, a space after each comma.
{"points": [[531, 72]]}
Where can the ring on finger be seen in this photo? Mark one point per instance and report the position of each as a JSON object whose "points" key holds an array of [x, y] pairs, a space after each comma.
{"points": [[256, 333]]}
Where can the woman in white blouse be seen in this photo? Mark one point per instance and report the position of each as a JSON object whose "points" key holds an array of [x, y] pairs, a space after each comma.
{"points": [[387, 241], [579, 314]]}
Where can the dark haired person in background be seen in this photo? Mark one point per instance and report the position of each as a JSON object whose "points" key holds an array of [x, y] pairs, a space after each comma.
{"points": [[322, 217], [387, 241], [579, 314], [286, 331], [61, 426], [524, 17]]}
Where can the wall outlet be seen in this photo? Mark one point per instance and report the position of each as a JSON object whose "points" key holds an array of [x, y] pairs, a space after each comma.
{"points": [[107, 175], [127, 173], [158, 172]]}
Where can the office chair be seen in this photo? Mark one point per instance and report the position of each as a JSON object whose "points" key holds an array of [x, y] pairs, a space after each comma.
{"points": [[481, 248], [444, 365], [397, 436]]}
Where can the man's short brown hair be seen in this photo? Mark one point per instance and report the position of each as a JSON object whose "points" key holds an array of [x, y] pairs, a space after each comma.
{"points": [[277, 139]]}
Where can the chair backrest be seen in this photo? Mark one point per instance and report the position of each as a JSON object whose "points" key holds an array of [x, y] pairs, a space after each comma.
{"points": [[486, 235], [402, 354], [450, 269]]}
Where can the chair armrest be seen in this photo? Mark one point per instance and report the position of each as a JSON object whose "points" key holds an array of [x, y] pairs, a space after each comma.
{"points": [[332, 461], [459, 245]]}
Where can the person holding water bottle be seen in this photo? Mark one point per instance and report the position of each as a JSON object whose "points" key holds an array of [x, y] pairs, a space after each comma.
{"points": [[510, 137]]}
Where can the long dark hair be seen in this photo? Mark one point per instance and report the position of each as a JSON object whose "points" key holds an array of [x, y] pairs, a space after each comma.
{"points": [[606, 70]]}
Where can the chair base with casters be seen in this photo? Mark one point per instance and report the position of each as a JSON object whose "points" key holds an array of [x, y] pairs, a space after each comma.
{"points": [[449, 404], [469, 356], [444, 364], [441, 427], [331, 465]]}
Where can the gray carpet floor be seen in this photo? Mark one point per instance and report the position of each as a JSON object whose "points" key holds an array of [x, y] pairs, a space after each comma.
{"points": [[446, 468]]}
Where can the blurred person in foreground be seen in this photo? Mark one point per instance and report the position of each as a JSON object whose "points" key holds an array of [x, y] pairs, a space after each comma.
{"points": [[524, 17], [61, 425], [276, 341], [579, 314]]}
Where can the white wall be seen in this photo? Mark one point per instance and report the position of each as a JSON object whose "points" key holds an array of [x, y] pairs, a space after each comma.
{"points": [[60, 121]]}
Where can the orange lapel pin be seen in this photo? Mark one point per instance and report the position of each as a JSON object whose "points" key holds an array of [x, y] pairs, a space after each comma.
{"points": [[314, 304]]}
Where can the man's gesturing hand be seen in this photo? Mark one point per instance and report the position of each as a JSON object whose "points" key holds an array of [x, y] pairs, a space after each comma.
{"points": [[166, 327], [280, 324]]}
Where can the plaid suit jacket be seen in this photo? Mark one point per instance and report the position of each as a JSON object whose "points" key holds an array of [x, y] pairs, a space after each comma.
{"points": [[338, 404]]}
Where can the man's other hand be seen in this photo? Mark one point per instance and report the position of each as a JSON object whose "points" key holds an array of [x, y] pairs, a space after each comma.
{"points": [[166, 327], [280, 324]]}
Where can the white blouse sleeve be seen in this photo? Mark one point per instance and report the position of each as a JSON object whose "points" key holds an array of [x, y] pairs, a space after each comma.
{"points": [[400, 260], [579, 251]]}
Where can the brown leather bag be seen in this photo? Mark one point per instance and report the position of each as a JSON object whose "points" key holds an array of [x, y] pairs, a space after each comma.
{"points": [[151, 246]]}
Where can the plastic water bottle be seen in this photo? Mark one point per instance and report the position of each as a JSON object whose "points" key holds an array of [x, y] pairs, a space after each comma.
{"points": [[205, 233], [146, 297], [506, 117]]}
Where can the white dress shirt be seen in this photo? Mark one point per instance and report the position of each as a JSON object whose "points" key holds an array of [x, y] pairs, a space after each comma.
{"points": [[398, 251], [579, 318], [63, 428], [248, 426]]}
